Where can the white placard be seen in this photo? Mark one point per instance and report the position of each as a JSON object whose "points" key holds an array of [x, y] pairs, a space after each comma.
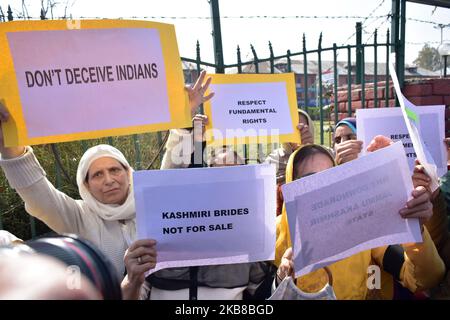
{"points": [[389, 122], [350, 208], [207, 216], [412, 120], [231, 100], [255, 107]]}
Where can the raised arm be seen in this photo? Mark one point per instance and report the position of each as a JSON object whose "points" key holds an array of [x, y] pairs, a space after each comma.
{"points": [[180, 145]]}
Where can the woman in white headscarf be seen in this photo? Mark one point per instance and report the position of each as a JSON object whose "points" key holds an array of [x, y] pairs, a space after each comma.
{"points": [[104, 215]]}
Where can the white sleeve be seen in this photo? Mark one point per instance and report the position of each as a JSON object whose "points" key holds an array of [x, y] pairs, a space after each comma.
{"points": [[179, 148], [42, 200]]}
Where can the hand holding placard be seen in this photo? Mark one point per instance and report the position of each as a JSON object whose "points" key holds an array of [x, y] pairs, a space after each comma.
{"points": [[7, 152], [139, 258], [347, 151], [199, 121], [419, 206], [286, 267], [379, 142]]}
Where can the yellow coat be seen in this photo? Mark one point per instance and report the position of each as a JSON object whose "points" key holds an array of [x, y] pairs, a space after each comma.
{"points": [[422, 269]]}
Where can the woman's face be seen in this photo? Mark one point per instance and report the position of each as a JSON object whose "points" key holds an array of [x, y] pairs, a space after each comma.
{"points": [[343, 133], [108, 181], [313, 164]]}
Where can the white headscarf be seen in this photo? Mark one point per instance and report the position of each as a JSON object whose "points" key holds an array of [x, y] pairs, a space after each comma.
{"points": [[110, 212], [308, 118]]}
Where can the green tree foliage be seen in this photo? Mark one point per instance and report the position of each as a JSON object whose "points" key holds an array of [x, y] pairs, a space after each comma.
{"points": [[429, 58]]}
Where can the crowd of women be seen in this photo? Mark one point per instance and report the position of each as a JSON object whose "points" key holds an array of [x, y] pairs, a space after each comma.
{"points": [[105, 215]]}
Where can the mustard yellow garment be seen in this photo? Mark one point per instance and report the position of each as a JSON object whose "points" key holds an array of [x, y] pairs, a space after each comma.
{"points": [[438, 228], [422, 269]]}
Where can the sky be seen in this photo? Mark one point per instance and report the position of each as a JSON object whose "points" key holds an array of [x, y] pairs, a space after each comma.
{"points": [[241, 26]]}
